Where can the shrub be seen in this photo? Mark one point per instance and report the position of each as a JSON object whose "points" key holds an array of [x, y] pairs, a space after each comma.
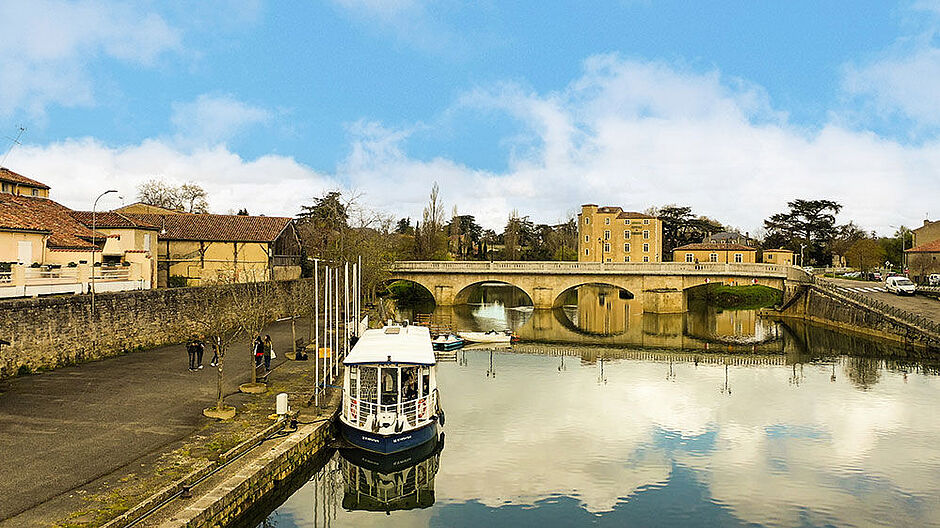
{"points": [[24, 370], [176, 281]]}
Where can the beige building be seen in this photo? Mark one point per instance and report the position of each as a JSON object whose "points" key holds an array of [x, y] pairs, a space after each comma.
{"points": [[610, 234], [782, 257], [725, 253], [923, 260], [198, 248], [13, 183], [127, 240], [926, 233]]}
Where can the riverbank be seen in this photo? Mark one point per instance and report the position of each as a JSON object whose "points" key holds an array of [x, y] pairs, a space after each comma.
{"points": [[93, 440], [745, 297]]}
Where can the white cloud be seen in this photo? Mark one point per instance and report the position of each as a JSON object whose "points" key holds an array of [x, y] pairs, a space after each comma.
{"points": [[409, 21], [213, 119], [77, 170], [47, 45]]}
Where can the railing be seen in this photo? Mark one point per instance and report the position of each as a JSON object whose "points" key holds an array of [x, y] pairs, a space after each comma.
{"points": [[415, 411], [50, 275], [112, 274], [915, 320], [677, 268], [6, 277]]}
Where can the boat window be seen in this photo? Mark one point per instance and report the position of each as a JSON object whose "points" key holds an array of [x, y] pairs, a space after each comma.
{"points": [[368, 383], [389, 386], [409, 383], [426, 381], [354, 382]]}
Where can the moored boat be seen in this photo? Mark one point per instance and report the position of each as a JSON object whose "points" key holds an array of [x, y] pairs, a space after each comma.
{"points": [[493, 336], [447, 342], [390, 397]]}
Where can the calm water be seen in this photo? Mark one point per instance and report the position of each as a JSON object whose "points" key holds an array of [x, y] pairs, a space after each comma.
{"points": [[790, 429]]}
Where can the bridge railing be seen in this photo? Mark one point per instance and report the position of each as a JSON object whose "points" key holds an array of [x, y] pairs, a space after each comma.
{"points": [[717, 268], [915, 320]]}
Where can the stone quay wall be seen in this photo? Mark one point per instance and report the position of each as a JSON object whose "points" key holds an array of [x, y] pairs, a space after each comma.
{"points": [[831, 308], [48, 332]]}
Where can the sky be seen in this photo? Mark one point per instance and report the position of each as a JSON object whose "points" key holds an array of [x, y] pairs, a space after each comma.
{"points": [[732, 108]]}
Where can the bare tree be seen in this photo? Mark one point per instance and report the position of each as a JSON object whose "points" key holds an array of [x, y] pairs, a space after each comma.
{"points": [[188, 197], [193, 198], [218, 320], [256, 305]]}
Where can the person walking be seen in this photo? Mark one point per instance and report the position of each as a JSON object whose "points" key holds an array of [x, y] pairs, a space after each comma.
{"points": [[215, 353], [258, 347], [191, 350], [268, 352], [200, 349]]}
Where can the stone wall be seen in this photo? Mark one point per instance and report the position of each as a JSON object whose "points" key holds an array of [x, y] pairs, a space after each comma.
{"points": [[48, 332]]}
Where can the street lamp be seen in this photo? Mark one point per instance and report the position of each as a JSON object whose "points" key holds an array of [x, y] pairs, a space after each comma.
{"points": [[801, 254], [94, 243]]}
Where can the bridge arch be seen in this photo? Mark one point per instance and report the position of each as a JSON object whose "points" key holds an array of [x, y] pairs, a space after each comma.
{"points": [[463, 296], [623, 293], [423, 290]]}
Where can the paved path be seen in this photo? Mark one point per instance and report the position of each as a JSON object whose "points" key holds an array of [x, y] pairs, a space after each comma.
{"points": [[917, 304], [62, 429]]}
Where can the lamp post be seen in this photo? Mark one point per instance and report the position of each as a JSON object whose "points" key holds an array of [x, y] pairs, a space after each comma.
{"points": [[94, 239]]}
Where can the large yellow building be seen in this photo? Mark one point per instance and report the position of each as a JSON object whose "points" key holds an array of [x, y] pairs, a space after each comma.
{"points": [[610, 234], [726, 253], [199, 248]]}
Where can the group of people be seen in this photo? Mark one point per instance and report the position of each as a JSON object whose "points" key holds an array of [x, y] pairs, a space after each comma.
{"points": [[264, 352], [195, 348]]}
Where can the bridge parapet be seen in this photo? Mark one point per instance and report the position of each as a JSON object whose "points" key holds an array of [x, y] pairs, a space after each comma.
{"points": [[605, 268]]}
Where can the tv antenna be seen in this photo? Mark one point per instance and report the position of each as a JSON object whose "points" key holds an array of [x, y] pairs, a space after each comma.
{"points": [[15, 141]]}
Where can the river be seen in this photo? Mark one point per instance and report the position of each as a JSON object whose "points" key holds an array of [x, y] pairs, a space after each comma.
{"points": [[610, 417]]}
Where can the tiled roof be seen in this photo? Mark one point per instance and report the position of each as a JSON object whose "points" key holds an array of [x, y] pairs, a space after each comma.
{"points": [[110, 219], [780, 250], [929, 247], [633, 214], [32, 213], [714, 247], [9, 176], [215, 228]]}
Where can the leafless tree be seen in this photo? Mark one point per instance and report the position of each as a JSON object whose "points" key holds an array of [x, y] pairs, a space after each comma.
{"points": [[217, 319], [188, 197]]}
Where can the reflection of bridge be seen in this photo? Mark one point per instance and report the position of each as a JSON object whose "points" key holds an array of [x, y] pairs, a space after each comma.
{"points": [[591, 354], [660, 287]]}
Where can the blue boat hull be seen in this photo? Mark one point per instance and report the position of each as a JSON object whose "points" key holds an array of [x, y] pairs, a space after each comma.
{"points": [[391, 443], [447, 347]]}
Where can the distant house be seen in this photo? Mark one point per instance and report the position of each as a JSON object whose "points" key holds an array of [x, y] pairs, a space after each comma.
{"points": [[610, 234], [200, 248], [127, 240], [783, 257], [722, 252], [923, 260], [729, 237], [13, 183], [926, 233]]}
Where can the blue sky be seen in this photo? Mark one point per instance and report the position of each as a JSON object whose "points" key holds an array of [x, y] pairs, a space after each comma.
{"points": [[733, 108]]}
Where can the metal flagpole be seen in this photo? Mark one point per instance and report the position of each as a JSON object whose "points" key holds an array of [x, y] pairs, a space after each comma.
{"points": [[336, 312], [359, 292], [316, 325], [326, 326], [346, 307]]}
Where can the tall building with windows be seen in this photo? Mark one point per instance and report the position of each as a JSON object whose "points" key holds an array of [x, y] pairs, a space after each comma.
{"points": [[610, 234]]}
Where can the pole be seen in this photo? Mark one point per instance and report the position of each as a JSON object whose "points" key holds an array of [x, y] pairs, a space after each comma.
{"points": [[336, 315], [358, 294], [346, 308], [316, 325], [94, 238], [326, 329]]}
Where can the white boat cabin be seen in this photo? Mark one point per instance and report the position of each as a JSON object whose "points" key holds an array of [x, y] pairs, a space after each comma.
{"points": [[391, 384]]}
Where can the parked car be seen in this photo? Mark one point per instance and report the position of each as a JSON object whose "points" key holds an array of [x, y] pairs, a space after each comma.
{"points": [[853, 275], [900, 285], [933, 279]]}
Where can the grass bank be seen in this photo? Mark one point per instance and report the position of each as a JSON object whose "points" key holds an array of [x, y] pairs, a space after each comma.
{"points": [[748, 297]]}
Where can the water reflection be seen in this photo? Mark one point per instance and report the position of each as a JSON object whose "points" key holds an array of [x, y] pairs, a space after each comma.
{"points": [[398, 482], [619, 436]]}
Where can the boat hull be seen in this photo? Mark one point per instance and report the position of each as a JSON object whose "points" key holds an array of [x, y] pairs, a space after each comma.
{"points": [[386, 444], [448, 346]]}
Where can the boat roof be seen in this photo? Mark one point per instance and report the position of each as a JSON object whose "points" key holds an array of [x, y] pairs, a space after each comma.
{"points": [[393, 344]]}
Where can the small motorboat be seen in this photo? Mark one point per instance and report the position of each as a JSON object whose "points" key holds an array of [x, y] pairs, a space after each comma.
{"points": [[447, 342], [493, 336]]}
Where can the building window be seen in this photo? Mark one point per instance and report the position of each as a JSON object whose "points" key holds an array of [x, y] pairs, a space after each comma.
{"points": [[35, 192], [713, 257], [147, 241], [646, 233], [646, 221], [607, 221], [646, 248], [738, 257], [626, 247], [689, 257], [587, 238], [587, 220], [607, 234], [7, 187], [608, 260], [626, 233], [646, 259], [606, 247], [627, 258], [587, 251]]}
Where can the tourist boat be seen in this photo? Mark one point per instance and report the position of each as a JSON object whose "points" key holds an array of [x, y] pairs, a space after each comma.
{"points": [[493, 336], [447, 342], [385, 483], [390, 397]]}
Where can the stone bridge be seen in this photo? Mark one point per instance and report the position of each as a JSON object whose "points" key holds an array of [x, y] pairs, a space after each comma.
{"points": [[660, 287]]}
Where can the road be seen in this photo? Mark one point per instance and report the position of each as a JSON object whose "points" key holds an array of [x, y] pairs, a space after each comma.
{"points": [[917, 304], [64, 428]]}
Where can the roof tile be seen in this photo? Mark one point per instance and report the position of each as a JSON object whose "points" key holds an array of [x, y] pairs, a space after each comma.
{"points": [[9, 176], [215, 228]]}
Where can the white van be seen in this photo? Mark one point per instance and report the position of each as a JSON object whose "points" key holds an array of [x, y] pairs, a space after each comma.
{"points": [[900, 285]]}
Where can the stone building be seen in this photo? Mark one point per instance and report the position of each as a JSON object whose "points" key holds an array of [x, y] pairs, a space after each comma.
{"points": [[610, 234], [923, 260], [926, 233], [729, 237], [725, 253], [783, 257], [13, 183]]}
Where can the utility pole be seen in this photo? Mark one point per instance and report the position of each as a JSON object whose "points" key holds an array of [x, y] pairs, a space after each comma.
{"points": [[94, 239]]}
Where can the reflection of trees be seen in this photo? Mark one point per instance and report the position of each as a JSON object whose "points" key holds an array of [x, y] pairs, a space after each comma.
{"points": [[863, 372]]}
